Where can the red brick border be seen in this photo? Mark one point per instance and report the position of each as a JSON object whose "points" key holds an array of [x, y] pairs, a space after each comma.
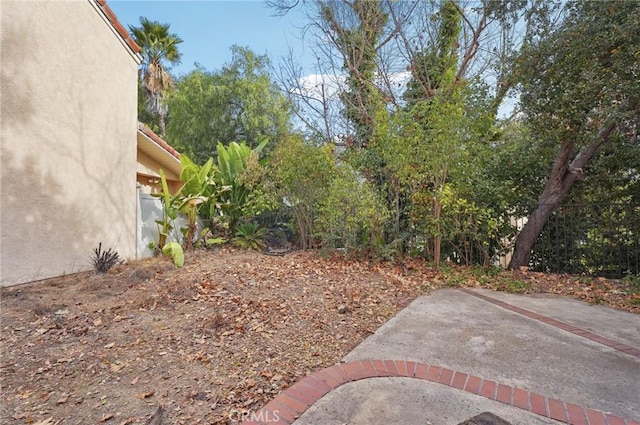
{"points": [[627, 349], [293, 402]]}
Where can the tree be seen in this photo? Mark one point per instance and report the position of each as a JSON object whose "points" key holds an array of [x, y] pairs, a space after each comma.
{"points": [[367, 48], [357, 39], [433, 70], [580, 92], [159, 50], [420, 85], [238, 103]]}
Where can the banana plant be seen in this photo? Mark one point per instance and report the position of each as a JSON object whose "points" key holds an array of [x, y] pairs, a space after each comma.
{"points": [[232, 161], [170, 211], [200, 188], [190, 206]]}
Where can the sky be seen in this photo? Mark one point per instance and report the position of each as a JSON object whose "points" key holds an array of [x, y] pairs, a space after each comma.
{"points": [[209, 28]]}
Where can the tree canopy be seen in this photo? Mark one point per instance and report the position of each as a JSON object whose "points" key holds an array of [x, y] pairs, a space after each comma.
{"points": [[579, 92], [237, 103]]}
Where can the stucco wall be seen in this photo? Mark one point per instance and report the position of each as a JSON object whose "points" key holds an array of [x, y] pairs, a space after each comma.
{"points": [[68, 140]]}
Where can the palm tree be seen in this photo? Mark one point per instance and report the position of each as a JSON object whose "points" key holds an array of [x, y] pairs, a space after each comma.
{"points": [[158, 46]]}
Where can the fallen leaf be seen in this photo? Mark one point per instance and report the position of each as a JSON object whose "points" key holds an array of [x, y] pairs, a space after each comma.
{"points": [[147, 394], [106, 417], [117, 367]]}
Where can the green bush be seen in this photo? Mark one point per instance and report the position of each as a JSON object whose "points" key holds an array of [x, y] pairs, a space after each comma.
{"points": [[351, 215], [300, 177], [249, 236]]}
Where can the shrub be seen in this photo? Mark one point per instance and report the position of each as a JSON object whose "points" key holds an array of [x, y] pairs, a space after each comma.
{"points": [[249, 236], [103, 260], [351, 215]]}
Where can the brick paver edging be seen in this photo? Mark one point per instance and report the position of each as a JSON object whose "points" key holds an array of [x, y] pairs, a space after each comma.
{"points": [[558, 324], [293, 402]]}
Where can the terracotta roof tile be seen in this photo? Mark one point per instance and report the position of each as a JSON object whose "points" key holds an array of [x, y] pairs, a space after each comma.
{"points": [[153, 136], [122, 31]]}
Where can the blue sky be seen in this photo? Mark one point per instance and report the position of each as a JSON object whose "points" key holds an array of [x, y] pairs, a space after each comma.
{"points": [[210, 28]]}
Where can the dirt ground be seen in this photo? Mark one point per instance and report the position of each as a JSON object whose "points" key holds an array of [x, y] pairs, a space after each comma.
{"points": [[217, 338]]}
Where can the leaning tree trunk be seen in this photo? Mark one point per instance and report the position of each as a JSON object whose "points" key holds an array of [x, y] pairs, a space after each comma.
{"points": [[563, 175]]}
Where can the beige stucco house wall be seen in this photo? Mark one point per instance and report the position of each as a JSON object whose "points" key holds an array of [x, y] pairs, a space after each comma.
{"points": [[68, 124]]}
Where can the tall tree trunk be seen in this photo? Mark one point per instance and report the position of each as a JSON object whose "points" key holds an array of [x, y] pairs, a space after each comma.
{"points": [[437, 240], [563, 175], [162, 125]]}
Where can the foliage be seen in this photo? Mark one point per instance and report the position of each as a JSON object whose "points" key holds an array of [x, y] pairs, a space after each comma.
{"points": [[249, 236], [159, 47], [512, 285], [357, 45], [579, 93], [433, 69], [434, 154], [351, 215], [174, 250], [470, 231], [200, 188], [300, 175], [170, 212], [102, 261], [239, 173], [239, 102], [517, 185], [426, 152]]}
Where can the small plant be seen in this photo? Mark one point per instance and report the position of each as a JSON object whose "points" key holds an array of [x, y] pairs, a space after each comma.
{"points": [[175, 251], [207, 238], [633, 281], [103, 260], [249, 236], [515, 286], [455, 280]]}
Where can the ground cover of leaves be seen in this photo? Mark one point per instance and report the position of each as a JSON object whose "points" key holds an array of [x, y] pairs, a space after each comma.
{"points": [[221, 336]]}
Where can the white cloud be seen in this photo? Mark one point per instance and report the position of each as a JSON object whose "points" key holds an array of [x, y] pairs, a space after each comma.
{"points": [[314, 85]]}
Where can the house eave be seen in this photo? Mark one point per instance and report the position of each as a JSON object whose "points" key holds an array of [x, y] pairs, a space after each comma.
{"points": [[168, 162]]}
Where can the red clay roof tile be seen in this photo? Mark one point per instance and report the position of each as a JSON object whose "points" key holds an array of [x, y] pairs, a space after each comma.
{"points": [[122, 31], [153, 136]]}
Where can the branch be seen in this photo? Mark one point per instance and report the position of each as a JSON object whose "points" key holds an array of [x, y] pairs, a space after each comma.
{"points": [[281, 7], [473, 48], [585, 154]]}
